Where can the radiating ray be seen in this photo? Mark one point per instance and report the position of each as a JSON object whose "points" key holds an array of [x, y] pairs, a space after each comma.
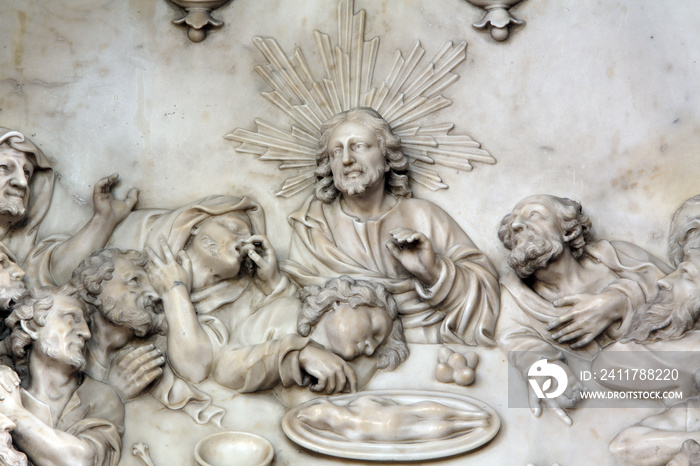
{"points": [[409, 93]]}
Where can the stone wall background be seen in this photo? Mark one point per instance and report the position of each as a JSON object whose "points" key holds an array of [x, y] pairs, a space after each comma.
{"points": [[597, 101]]}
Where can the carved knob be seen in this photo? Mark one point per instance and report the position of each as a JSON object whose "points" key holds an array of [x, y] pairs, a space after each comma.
{"points": [[497, 19], [198, 17]]}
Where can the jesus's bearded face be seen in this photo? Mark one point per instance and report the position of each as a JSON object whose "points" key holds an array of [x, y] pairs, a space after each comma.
{"points": [[357, 160]]}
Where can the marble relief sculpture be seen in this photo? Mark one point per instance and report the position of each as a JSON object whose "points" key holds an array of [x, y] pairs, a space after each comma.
{"points": [[684, 231], [27, 179], [122, 307], [198, 19], [662, 333], [61, 415], [354, 318], [498, 19], [392, 425], [219, 235], [455, 367], [379, 419], [233, 276], [568, 295], [358, 145], [193, 306], [669, 438], [9, 456], [411, 91], [12, 289], [363, 222]]}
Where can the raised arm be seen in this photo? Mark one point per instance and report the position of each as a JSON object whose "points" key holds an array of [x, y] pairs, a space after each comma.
{"points": [[190, 351], [108, 213]]}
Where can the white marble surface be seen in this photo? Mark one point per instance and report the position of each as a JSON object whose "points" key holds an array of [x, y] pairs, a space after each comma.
{"points": [[594, 100], [522, 439], [597, 101]]}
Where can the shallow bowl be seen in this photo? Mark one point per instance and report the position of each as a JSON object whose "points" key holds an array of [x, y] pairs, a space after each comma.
{"points": [[233, 448]]}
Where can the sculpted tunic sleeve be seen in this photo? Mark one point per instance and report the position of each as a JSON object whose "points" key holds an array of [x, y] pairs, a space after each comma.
{"points": [[462, 306], [522, 325], [94, 413], [102, 421], [525, 315], [262, 366]]}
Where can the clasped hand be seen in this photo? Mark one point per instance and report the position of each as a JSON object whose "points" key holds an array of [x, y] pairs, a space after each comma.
{"points": [[590, 315], [133, 371]]}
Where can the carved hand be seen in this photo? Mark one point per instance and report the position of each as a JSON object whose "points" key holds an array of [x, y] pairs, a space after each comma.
{"points": [[135, 370], [415, 252], [331, 372], [590, 315], [567, 400], [167, 272], [109, 208], [267, 271], [9, 390]]}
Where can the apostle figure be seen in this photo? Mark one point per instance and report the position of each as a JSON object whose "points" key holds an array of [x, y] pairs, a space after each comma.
{"points": [[567, 296], [62, 416], [662, 333], [684, 232], [26, 188], [122, 308], [233, 275], [361, 221], [234, 267], [12, 288], [355, 319]]}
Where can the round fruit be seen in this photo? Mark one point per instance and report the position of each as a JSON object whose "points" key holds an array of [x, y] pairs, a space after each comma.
{"points": [[472, 359], [444, 354], [444, 373], [464, 376], [457, 360]]}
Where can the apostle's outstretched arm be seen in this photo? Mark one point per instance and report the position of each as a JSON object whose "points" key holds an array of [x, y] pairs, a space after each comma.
{"points": [[107, 214]]}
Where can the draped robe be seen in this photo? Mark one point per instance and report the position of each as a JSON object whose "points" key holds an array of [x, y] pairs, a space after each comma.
{"points": [[462, 307]]}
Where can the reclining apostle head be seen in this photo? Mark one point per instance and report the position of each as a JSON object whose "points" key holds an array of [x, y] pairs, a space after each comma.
{"points": [[354, 318]]}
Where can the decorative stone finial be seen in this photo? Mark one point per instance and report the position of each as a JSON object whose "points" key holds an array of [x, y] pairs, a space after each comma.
{"points": [[497, 19], [199, 17]]}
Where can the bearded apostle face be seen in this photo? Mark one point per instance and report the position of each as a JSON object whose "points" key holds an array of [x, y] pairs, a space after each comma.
{"points": [[535, 236], [63, 335], [676, 308], [128, 299], [16, 171]]}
